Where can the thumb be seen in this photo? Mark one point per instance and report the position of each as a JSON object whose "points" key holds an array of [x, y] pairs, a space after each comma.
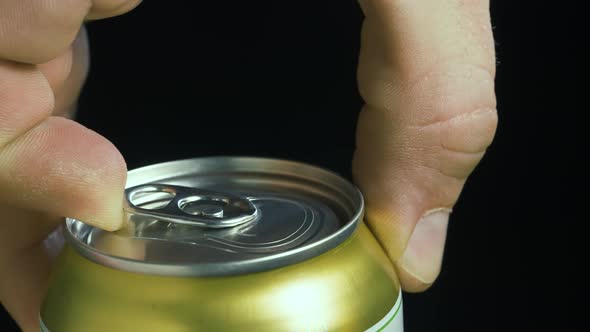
{"points": [[426, 73]]}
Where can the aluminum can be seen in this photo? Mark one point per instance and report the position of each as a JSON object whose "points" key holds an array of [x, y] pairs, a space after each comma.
{"points": [[227, 244]]}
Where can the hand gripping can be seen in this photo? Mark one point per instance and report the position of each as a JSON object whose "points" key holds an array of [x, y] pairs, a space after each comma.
{"points": [[227, 244]]}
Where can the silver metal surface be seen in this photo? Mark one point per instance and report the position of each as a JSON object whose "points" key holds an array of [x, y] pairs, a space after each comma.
{"points": [[278, 213], [190, 206]]}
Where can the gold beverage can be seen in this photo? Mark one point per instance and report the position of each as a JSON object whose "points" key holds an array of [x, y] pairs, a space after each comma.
{"points": [[227, 244]]}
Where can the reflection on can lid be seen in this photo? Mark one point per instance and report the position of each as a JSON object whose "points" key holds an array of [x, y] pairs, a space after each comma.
{"points": [[189, 206], [224, 216]]}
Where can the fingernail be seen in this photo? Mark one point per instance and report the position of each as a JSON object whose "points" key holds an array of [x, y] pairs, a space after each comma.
{"points": [[422, 257]]}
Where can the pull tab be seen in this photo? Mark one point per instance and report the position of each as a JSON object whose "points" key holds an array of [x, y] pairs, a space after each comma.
{"points": [[189, 206]]}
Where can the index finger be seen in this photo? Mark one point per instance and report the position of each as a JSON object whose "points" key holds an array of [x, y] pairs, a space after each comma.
{"points": [[36, 31]]}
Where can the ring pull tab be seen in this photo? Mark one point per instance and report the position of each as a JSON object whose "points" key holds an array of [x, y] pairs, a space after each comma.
{"points": [[189, 206]]}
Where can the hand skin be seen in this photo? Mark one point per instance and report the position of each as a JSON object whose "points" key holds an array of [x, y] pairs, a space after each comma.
{"points": [[426, 73], [49, 166]]}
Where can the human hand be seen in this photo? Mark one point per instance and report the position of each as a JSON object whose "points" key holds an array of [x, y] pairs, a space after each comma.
{"points": [[49, 165], [426, 72]]}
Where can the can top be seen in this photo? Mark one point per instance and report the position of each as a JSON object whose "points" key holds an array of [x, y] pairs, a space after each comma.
{"points": [[223, 216]]}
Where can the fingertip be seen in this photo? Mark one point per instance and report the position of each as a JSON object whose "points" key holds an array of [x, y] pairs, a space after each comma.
{"points": [[111, 220], [421, 261], [65, 169], [101, 172], [111, 8], [410, 282]]}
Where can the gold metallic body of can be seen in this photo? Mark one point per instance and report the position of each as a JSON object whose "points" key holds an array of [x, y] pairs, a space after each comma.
{"points": [[348, 288]]}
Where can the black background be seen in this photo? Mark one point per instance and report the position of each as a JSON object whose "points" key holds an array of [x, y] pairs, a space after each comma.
{"points": [[180, 79]]}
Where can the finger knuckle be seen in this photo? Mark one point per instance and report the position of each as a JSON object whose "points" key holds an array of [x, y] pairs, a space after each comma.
{"points": [[63, 19], [25, 100], [456, 119], [445, 95], [65, 13], [38, 31], [109, 8]]}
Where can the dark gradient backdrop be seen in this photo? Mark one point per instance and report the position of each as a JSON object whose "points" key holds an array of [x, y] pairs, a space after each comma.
{"points": [[179, 79]]}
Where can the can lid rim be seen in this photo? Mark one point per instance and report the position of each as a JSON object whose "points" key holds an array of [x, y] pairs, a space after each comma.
{"points": [[255, 164]]}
